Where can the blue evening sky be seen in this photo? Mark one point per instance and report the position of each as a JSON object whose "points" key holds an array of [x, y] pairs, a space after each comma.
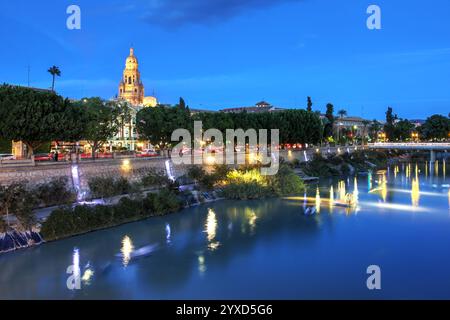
{"points": [[229, 53]]}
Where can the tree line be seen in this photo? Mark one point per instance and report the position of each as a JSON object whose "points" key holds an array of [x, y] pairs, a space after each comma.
{"points": [[36, 117]]}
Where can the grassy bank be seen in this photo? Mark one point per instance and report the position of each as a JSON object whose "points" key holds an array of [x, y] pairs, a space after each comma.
{"points": [[243, 183], [344, 164], [67, 221]]}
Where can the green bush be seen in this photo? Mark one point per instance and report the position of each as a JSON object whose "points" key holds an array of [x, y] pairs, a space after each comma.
{"points": [[66, 221], [161, 203], [154, 178], [3, 225], [286, 182], [17, 199], [56, 192], [195, 172], [250, 184], [246, 190], [106, 187]]}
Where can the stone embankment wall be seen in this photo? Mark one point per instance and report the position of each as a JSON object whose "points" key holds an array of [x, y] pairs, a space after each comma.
{"points": [[132, 168]]}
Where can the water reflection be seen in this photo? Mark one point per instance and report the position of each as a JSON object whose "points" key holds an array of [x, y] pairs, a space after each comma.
{"points": [[415, 192], [331, 204], [168, 233], [443, 167], [341, 190], [318, 200], [201, 264], [87, 276], [211, 230], [251, 218], [127, 249]]}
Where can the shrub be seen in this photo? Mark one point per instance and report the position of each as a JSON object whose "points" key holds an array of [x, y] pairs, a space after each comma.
{"points": [[162, 202], [295, 163], [56, 192], [3, 225], [195, 172], [17, 199], [221, 171], [66, 221], [105, 187], [154, 178], [286, 182]]}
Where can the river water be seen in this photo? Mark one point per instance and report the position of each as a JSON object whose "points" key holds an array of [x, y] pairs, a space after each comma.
{"points": [[400, 221]]}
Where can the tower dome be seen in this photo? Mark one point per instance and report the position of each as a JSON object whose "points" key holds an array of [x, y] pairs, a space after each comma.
{"points": [[131, 62]]}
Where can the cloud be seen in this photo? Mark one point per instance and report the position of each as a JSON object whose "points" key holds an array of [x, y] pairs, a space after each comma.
{"points": [[177, 13]]}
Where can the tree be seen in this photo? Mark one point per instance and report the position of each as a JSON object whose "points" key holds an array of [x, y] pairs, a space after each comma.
{"points": [[342, 113], [374, 128], [309, 104], [16, 199], [101, 121], [403, 130], [54, 71], [365, 133], [389, 127], [36, 117], [124, 117], [328, 127], [435, 127], [182, 104], [157, 124]]}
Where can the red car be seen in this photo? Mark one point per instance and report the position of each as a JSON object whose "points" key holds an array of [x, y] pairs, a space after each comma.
{"points": [[97, 155], [43, 157], [147, 153]]}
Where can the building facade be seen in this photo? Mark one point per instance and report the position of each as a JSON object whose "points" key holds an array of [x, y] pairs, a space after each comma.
{"points": [[261, 106]]}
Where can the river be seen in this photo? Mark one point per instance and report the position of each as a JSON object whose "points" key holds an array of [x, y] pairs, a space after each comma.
{"points": [[266, 249]]}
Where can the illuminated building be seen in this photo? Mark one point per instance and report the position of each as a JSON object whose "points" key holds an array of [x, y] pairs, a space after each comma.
{"points": [[131, 88]]}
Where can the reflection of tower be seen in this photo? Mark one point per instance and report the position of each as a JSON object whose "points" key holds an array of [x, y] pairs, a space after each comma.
{"points": [[131, 87]]}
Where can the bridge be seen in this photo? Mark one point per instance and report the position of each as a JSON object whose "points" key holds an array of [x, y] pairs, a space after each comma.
{"points": [[432, 147]]}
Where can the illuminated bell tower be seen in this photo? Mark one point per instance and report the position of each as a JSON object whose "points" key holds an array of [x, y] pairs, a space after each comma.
{"points": [[131, 88]]}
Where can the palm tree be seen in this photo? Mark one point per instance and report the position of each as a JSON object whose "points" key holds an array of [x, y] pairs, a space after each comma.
{"points": [[364, 133], [342, 113], [54, 71]]}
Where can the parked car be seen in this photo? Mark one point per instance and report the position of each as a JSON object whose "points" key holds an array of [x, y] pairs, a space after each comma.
{"points": [[7, 156], [98, 155], [43, 157], [147, 153]]}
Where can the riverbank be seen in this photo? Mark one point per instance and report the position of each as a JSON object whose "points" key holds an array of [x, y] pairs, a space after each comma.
{"points": [[223, 182], [344, 164]]}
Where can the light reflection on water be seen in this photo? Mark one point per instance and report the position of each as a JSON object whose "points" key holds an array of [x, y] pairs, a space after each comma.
{"points": [[268, 248], [126, 250]]}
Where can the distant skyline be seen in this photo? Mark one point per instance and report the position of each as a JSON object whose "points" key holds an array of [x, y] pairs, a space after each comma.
{"points": [[219, 54]]}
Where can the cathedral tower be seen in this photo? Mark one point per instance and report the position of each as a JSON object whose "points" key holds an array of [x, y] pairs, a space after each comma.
{"points": [[131, 88]]}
